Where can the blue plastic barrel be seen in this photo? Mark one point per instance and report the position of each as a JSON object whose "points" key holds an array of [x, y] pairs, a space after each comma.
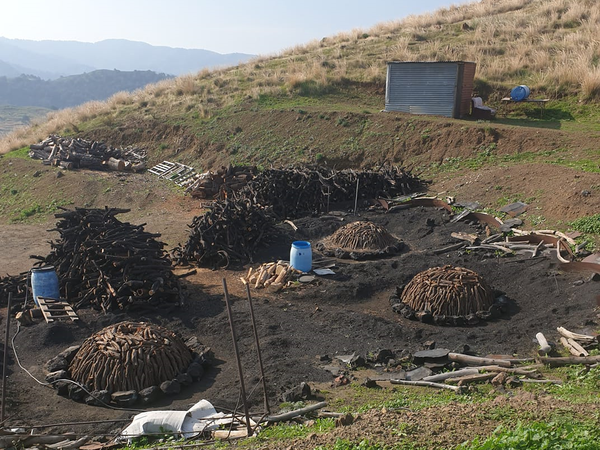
{"points": [[519, 93], [301, 256], [44, 283]]}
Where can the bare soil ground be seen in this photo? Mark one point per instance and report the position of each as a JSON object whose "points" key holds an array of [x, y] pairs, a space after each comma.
{"points": [[339, 314]]}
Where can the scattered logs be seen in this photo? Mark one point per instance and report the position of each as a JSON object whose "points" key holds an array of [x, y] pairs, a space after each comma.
{"points": [[229, 230], [360, 240], [111, 264], [130, 356], [447, 296], [295, 192], [73, 153]]}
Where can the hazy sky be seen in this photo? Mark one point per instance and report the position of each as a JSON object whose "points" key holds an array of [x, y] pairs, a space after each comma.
{"points": [[224, 26]]}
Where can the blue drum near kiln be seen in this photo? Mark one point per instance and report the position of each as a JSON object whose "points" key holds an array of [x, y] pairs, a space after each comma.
{"points": [[44, 283], [301, 256]]}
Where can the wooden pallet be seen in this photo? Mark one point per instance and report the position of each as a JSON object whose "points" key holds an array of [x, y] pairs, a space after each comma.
{"points": [[53, 309], [178, 173]]}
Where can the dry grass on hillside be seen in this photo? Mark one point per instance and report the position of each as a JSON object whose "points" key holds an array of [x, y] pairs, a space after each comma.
{"points": [[553, 46]]}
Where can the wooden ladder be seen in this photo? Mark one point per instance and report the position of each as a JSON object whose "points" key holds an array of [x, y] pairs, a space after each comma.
{"points": [[53, 309]]}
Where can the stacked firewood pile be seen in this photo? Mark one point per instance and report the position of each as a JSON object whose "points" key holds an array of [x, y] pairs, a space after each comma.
{"points": [[448, 296], [110, 264], [272, 274], [130, 356], [229, 230], [15, 284], [300, 191], [360, 240], [73, 153], [222, 183]]}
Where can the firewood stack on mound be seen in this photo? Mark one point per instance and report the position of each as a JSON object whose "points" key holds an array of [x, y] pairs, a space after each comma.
{"points": [[231, 230], [448, 295], [360, 240], [111, 264], [129, 360]]}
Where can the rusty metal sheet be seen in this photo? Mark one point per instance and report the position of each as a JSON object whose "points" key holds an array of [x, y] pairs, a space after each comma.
{"points": [[515, 209], [430, 203], [580, 266], [485, 218]]}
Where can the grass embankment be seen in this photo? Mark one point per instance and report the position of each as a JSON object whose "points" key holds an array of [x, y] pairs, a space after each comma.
{"points": [[530, 417]]}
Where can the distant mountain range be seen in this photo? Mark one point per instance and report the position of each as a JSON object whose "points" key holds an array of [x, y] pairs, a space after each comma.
{"points": [[53, 59]]}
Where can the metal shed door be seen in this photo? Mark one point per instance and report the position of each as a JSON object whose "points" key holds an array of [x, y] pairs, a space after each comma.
{"points": [[421, 88]]}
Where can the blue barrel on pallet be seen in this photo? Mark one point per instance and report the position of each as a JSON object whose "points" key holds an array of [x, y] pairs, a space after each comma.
{"points": [[301, 256], [44, 283], [519, 93]]}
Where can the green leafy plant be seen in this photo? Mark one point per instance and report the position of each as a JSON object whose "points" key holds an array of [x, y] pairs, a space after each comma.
{"points": [[590, 224], [539, 435]]}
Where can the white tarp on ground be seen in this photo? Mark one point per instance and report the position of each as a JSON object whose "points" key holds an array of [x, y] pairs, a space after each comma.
{"points": [[200, 417]]}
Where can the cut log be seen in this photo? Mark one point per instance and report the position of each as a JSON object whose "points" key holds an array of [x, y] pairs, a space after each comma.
{"points": [[478, 361], [470, 238], [568, 360], [299, 412], [116, 164], [573, 346], [457, 389], [578, 337], [461, 381], [455, 374], [545, 348]]}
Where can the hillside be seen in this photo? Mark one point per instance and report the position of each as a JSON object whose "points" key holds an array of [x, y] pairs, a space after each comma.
{"points": [[321, 102], [64, 92]]}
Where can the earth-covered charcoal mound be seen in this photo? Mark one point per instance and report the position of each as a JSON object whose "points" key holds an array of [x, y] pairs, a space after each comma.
{"points": [[231, 230], [130, 356], [295, 192], [360, 240], [110, 264], [448, 295], [127, 361]]}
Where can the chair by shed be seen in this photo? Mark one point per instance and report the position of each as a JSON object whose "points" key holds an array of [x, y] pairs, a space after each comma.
{"points": [[480, 111]]}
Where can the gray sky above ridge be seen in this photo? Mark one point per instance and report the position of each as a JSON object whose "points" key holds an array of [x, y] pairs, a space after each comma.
{"points": [[224, 26]]}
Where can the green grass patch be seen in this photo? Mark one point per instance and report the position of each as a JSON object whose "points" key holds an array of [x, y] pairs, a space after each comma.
{"points": [[540, 435], [283, 431], [21, 153], [344, 444]]}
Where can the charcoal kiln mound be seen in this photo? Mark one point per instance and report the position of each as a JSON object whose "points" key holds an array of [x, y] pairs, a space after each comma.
{"points": [[359, 241], [448, 295], [128, 360]]}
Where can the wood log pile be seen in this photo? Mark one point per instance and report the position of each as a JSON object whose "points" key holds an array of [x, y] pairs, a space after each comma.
{"points": [[110, 264], [448, 295], [273, 274], [360, 240], [300, 191], [228, 231], [74, 153], [15, 284], [130, 356], [222, 183]]}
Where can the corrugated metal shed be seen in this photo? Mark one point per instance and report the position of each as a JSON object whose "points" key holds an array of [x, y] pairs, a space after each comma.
{"points": [[439, 88]]}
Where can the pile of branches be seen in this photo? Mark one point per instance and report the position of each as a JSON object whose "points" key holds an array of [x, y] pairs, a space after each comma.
{"points": [[448, 295], [73, 153], [300, 191], [110, 264], [222, 183], [130, 356], [229, 230]]}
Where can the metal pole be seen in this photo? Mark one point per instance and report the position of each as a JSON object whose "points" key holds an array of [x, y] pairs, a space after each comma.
{"points": [[237, 357], [356, 197], [5, 357], [260, 363]]}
